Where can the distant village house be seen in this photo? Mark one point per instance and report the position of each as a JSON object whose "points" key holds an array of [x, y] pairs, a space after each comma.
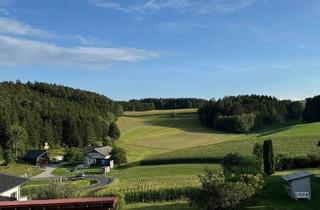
{"points": [[98, 156], [37, 157]]}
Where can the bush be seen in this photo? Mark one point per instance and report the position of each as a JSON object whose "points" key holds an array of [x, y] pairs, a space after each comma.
{"points": [[235, 164], [56, 189], [301, 162], [314, 160], [286, 163], [217, 193]]}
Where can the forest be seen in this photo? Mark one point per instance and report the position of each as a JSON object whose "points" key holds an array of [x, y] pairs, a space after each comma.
{"points": [[34, 113], [246, 113], [148, 104]]}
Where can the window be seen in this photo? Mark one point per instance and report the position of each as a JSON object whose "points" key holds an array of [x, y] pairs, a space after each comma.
{"points": [[13, 195]]}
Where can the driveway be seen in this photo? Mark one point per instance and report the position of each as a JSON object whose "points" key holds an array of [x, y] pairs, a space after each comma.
{"points": [[47, 174], [102, 182]]}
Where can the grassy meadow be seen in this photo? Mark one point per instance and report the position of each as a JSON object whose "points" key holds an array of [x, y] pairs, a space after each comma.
{"points": [[148, 135], [161, 136]]}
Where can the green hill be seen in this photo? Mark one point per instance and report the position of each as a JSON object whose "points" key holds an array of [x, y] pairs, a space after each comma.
{"points": [[59, 115], [182, 137]]}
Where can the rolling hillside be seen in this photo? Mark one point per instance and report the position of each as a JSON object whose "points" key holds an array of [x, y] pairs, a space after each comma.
{"points": [[158, 135]]}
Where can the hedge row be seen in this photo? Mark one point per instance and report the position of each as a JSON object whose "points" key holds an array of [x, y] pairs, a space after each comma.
{"points": [[284, 162]]}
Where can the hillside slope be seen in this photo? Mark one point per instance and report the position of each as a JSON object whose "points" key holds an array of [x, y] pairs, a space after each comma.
{"points": [[159, 136], [59, 115]]}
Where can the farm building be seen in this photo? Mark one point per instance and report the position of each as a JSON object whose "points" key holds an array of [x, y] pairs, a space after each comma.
{"points": [[10, 187], [298, 185], [37, 157], [98, 156], [102, 203]]}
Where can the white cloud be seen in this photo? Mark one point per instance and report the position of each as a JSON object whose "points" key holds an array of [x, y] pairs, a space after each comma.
{"points": [[108, 5], [198, 7], [14, 27], [22, 52]]}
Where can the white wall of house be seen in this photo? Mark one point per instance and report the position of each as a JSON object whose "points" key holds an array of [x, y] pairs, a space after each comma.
{"points": [[91, 158], [14, 192]]}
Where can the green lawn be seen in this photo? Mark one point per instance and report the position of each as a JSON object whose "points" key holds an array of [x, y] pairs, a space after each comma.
{"points": [[64, 170], [18, 169], [274, 195]]}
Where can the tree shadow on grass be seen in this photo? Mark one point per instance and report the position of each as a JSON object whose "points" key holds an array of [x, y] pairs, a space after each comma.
{"points": [[278, 128], [184, 122]]}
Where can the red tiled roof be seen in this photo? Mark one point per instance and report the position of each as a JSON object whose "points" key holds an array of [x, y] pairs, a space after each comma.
{"points": [[59, 202]]}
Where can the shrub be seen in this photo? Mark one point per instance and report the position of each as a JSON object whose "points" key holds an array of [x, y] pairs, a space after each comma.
{"points": [[301, 162], [284, 162], [314, 160], [216, 193], [56, 189], [235, 165]]}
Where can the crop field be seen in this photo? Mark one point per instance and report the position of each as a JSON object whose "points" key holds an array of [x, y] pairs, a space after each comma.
{"points": [[177, 205], [292, 146], [156, 177]]}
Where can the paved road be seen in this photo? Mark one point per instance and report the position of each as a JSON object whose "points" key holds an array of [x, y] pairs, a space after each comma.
{"points": [[102, 182], [47, 174]]}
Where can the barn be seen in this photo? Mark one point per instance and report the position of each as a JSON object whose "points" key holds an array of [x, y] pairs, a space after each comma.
{"points": [[37, 157]]}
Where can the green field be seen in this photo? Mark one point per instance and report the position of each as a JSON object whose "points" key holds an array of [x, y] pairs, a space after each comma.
{"points": [[146, 136], [161, 136], [178, 205], [156, 177], [18, 169]]}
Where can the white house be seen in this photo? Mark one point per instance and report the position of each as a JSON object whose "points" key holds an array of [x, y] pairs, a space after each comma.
{"points": [[98, 156], [10, 187]]}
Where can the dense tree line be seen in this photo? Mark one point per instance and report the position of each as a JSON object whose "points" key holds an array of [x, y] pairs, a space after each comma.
{"points": [[162, 103], [136, 106], [248, 112], [311, 112], [34, 113]]}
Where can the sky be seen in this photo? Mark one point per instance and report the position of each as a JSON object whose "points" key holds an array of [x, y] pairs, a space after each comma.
{"points": [[127, 49]]}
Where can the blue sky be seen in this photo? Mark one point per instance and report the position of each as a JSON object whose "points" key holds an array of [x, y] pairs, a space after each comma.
{"points": [[164, 48]]}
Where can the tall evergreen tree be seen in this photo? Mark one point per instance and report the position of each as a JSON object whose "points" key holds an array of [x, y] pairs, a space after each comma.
{"points": [[268, 157]]}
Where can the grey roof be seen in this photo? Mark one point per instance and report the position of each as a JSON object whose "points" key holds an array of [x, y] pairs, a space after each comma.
{"points": [[34, 154], [298, 175], [8, 182], [105, 150]]}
